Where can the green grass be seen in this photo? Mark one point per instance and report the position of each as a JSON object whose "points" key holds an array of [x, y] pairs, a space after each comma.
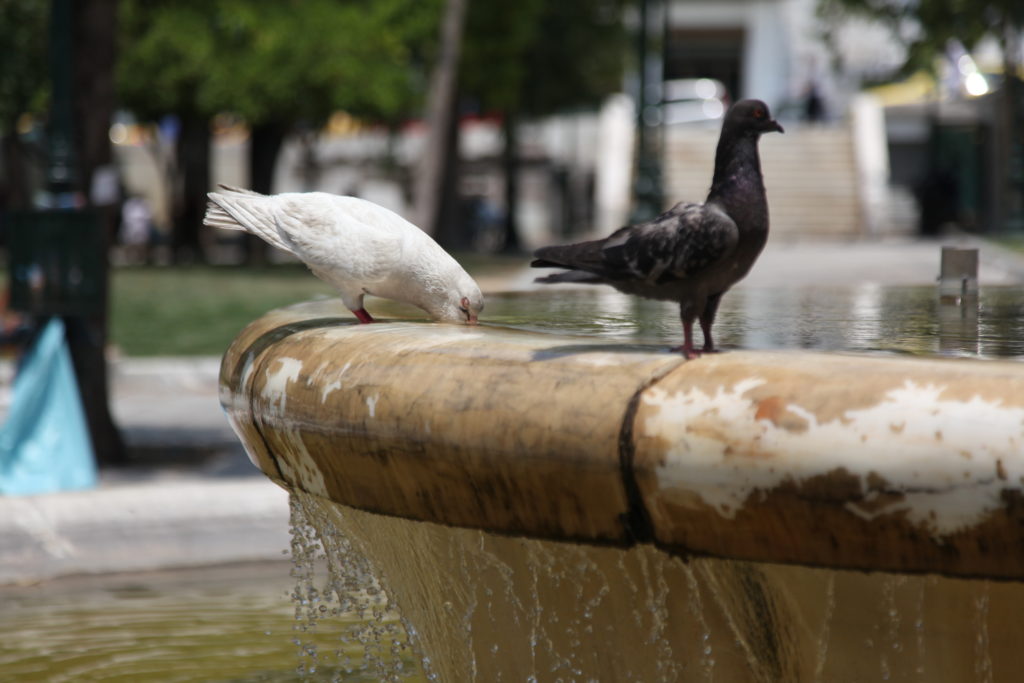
{"points": [[1014, 241], [198, 310]]}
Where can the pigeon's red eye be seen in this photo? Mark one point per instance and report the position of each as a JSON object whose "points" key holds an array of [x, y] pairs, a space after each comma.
{"points": [[759, 113]]}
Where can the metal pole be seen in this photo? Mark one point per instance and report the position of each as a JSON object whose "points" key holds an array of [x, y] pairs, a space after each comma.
{"points": [[648, 195], [61, 173]]}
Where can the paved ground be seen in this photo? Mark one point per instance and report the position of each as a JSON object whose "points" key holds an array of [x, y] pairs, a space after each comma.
{"points": [[885, 262], [190, 497], [194, 499]]}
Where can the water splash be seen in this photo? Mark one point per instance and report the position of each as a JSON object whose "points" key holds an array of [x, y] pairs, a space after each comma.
{"points": [[919, 630], [305, 596], [372, 642], [891, 643], [826, 627], [747, 599], [707, 659], [982, 653]]}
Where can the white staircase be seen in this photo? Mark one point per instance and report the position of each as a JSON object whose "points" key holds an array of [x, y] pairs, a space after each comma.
{"points": [[810, 174]]}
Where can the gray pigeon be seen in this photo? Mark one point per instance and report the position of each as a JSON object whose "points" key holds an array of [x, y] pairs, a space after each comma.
{"points": [[692, 253]]}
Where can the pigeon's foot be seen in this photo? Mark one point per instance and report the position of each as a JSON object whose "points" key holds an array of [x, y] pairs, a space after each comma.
{"points": [[364, 317], [689, 353]]}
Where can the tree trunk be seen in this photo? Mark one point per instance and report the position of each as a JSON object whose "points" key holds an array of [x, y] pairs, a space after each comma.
{"points": [[441, 109], [449, 222], [95, 27], [16, 191], [194, 166], [87, 336], [265, 142], [94, 44], [510, 162]]}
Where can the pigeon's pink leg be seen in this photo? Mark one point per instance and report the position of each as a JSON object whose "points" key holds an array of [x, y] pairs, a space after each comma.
{"points": [[707, 319], [709, 345], [363, 316], [687, 348]]}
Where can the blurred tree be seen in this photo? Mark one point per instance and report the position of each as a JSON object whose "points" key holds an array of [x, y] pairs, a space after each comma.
{"points": [[167, 49], [94, 60], [530, 58], [274, 65], [927, 26], [23, 90], [93, 56], [435, 174], [357, 57], [81, 47]]}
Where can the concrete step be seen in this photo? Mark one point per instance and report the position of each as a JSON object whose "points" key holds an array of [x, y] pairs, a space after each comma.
{"points": [[810, 176]]}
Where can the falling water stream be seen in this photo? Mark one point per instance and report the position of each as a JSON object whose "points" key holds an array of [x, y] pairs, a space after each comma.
{"points": [[480, 607], [372, 642]]}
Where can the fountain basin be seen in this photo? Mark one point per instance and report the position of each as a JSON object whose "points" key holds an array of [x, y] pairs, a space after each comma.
{"points": [[844, 461]]}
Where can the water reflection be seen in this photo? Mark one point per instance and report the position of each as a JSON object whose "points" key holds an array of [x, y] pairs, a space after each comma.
{"points": [[232, 624], [959, 328], [910, 320]]}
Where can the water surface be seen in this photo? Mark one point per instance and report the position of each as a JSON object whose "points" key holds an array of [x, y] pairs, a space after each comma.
{"points": [[865, 318], [237, 624]]}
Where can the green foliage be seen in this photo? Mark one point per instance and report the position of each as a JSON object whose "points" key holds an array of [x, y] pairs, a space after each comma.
{"points": [[274, 60], [498, 35], [583, 48], [23, 41], [927, 26], [285, 60], [165, 49], [541, 56]]}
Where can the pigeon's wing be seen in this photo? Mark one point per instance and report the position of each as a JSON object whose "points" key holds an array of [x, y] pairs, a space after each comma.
{"points": [[680, 243], [346, 234]]}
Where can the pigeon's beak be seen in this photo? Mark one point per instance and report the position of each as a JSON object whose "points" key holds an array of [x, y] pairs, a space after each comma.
{"points": [[471, 320], [776, 126]]}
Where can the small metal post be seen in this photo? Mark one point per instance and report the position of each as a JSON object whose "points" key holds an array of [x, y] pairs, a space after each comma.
{"points": [[958, 273], [648, 191]]}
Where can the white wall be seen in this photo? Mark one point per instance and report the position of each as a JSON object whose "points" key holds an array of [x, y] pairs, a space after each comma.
{"points": [[766, 51]]}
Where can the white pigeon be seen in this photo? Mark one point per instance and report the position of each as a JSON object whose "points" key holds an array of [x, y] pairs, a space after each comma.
{"points": [[357, 247]]}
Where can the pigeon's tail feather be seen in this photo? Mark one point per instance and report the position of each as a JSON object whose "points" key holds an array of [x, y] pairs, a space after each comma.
{"points": [[579, 256], [240, 190], [216, 217], [237, 210], [572, 276]]}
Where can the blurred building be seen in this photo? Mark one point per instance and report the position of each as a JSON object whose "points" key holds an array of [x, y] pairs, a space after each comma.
{"points": [[834, 153], [913, 157], [768, 49]]}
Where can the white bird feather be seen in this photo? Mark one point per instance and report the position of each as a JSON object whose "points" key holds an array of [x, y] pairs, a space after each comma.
{"points": [[356, 246]]}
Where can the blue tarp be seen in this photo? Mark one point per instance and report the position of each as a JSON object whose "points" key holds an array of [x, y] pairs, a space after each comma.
{"points": [[45, 444]]}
